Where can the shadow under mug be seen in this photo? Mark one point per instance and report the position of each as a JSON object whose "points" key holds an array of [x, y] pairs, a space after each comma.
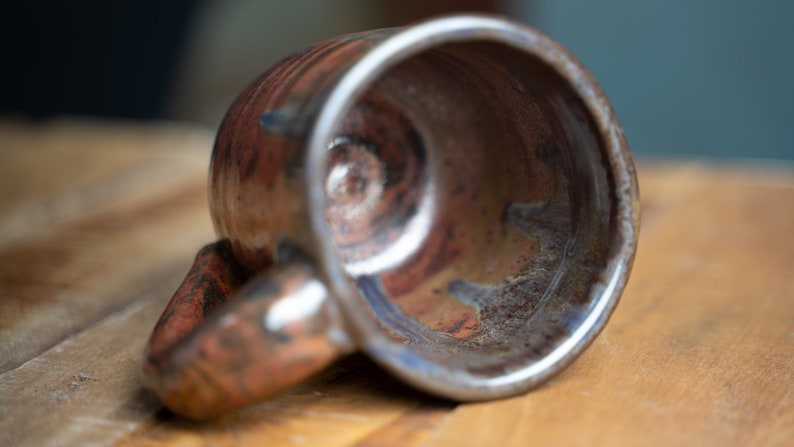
{"points": [[455, 198]]}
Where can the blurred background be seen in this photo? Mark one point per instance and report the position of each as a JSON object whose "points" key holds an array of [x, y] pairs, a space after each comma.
{"points": [[700, 79]]}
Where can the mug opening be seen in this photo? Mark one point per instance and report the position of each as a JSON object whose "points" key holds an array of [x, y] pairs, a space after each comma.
{"points": [[472, 226]]}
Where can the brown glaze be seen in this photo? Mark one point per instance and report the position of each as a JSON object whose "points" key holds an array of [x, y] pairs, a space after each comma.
{"points": [[255, 176], [208, 356], [197, 363], [212, 280], [487, 139], [478, 216]]}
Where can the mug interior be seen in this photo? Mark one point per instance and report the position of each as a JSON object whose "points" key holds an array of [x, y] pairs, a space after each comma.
{"points": [[470, 201]]}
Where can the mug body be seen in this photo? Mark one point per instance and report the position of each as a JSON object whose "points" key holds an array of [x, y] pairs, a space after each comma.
{"points": [[257, 187], [462, 185]]}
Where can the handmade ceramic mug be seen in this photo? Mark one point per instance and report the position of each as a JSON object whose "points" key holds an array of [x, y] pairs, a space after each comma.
{"points": [[455, 198]]}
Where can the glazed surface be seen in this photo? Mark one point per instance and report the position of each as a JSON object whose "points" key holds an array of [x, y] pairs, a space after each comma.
{"points": [[478, 212]]}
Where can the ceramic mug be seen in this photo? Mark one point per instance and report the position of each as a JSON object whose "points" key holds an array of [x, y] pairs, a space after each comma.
{"points": [[455, 198]]}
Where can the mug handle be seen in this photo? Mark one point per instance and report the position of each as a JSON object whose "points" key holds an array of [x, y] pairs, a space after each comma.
{"points": [[224, 342]]}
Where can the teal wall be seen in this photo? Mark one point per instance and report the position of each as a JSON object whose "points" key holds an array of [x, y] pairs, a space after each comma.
{"points": [[703, 78]]}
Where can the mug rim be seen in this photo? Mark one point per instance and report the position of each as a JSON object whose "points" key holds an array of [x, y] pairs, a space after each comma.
{"points": [[363, 328]]}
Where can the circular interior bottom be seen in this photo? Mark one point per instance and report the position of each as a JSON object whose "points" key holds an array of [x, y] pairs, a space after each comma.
{"points": [[470, 200]]}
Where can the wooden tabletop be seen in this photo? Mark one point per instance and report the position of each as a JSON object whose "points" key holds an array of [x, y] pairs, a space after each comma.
{"points": [[99, 222]]}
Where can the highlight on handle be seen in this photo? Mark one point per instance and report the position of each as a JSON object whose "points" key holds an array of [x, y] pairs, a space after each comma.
{"points": [[217, 348]]}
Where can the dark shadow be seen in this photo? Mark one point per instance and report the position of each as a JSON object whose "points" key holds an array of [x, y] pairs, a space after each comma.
{"points": [[355, 382]]}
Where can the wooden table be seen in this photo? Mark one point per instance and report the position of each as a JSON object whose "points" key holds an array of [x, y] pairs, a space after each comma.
{"points": [[99, 222]]}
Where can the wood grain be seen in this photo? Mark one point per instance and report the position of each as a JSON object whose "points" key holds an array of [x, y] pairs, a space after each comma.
{"points": [[700, 350], [100, 221]]}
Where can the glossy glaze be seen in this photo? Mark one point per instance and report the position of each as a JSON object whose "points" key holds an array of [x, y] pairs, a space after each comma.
{"points": [[464, 190]]}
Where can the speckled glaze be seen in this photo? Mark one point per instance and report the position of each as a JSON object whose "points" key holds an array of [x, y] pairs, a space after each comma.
{"points": [[454, 198]]}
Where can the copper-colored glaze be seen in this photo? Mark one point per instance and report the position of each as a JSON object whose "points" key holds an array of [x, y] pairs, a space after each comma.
{"points": [[462, 188]]}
